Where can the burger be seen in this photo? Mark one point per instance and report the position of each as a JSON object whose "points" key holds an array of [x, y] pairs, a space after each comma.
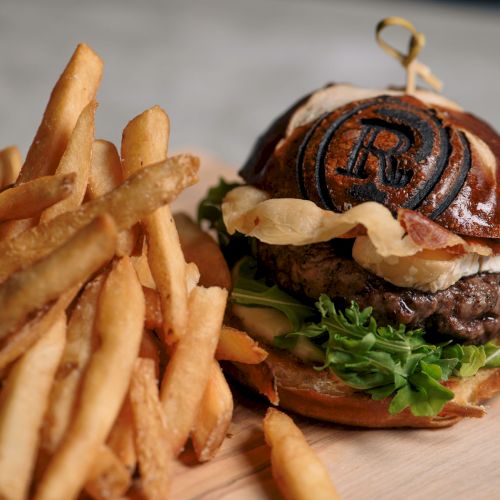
{"points": [[366, 259]]}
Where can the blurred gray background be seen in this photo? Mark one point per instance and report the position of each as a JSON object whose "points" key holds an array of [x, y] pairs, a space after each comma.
{"points": [[223, 69]]}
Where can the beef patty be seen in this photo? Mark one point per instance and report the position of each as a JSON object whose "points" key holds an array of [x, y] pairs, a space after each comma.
{"points": [[469, 310]]}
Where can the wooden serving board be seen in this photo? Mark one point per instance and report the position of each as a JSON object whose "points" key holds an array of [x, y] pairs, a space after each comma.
{"points": [[461, 462]]}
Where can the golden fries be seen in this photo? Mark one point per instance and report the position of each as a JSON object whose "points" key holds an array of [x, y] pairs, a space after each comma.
{"points": [[214, 416], [76, 159], [105, 175], [24, 401], [121, 437], [235, 345], [105, 170], [30, 289], [10, 166], [76, 87], [154, 319], [76, 355], [108, 477], [188, 370], [145, 141], [143, 271], [199, 247], [81, 411], [31, 198], [127, 204], [297, 470], [104, 386], [154, 450], [19, 342]]}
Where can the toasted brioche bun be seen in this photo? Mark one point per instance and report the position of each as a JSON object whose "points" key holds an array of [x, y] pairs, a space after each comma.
{"points": [[292, 385]]}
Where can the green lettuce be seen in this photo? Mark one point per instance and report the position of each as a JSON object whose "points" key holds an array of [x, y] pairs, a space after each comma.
{"points": [[383, 361]]}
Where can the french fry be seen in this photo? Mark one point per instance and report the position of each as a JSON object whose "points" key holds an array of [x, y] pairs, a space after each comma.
{"points": [[76, 87], [16, 344], [298, 471], [121, 437], [149, 349], [105, 175], [200, 248], [119, 323], [127, 204], [214, 416], [24, 401], [108, 477], [76, 159], [153, 319], [188, 370], [31, 198], [235, 345], [74, 361], [28, 290], [154, 452], [10, 165], [143, 271], [145, 141], [105, 170]]}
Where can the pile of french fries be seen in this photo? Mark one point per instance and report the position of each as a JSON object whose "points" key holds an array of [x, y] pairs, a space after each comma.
{"points": [[109, 338]]}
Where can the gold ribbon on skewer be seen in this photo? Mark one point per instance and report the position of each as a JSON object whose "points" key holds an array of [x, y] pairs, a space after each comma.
{"points": [[408, 61]]}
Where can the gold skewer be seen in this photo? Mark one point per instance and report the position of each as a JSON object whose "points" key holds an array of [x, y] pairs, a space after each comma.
{"points": [[408, 61]]}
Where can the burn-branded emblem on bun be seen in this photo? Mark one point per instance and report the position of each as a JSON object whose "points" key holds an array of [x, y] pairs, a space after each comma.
{"points": [[399, 150], [395, 151]]}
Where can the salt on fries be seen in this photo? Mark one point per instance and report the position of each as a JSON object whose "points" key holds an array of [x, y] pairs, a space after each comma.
{"points": [[127, 204], [105, 175], [76, 87], [76, 159], [104, 385], [155, 457], [30, 289], [296, 468], [24, 401], [84, 294], [76, 355], [188, 369], [31, 198], [144, 141]]}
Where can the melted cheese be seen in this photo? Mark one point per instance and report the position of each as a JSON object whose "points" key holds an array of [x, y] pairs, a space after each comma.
{"points": [[427, 271]]}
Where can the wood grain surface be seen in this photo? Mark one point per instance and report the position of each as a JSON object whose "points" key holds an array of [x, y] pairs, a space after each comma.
{"points": [[461, 462]]}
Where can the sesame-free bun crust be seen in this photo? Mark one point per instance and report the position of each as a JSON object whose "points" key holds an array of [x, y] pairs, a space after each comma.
{"points": [[295, 386], [344, 145]]}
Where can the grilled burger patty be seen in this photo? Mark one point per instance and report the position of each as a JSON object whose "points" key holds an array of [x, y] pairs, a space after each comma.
{"points": [[469, 310]]}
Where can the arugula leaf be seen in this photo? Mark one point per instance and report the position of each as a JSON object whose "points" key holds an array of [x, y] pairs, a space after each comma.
{"points": [[382, 360]]}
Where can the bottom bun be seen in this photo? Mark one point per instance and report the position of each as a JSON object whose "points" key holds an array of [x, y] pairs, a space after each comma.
{"points": [[291, 384]]}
